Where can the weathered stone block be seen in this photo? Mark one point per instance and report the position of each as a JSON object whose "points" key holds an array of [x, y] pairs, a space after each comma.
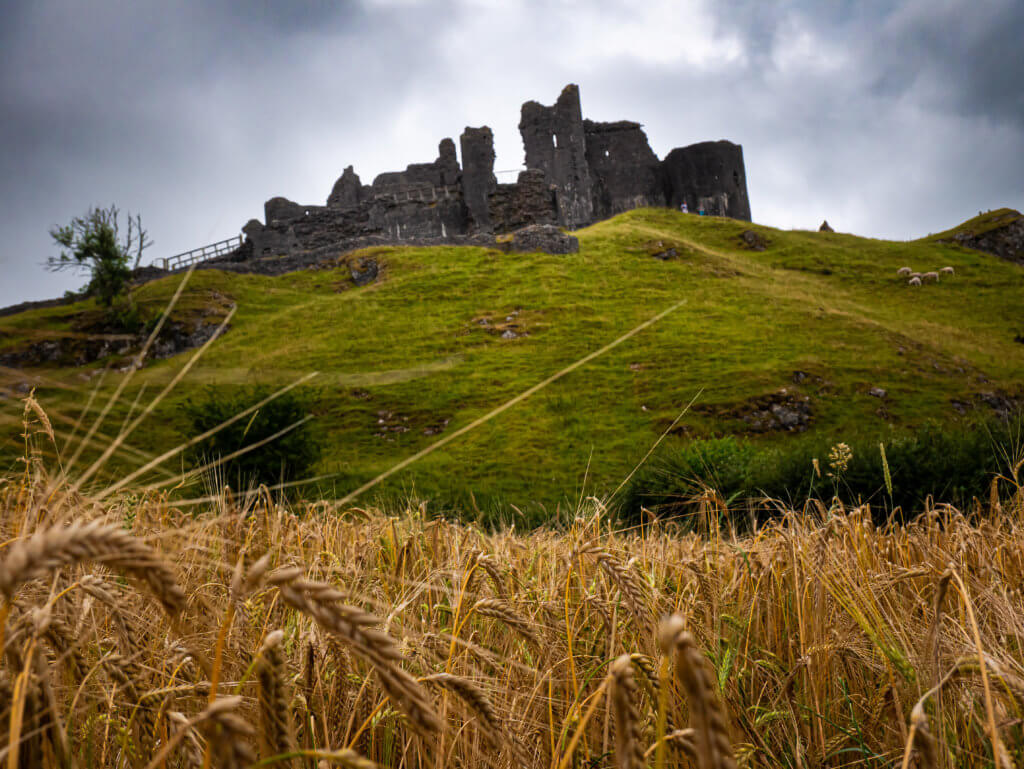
{"points": [[531, 200], [626, 172], [546, 238], [478, 179], [347, 190], [282, 210], [555, 142]]}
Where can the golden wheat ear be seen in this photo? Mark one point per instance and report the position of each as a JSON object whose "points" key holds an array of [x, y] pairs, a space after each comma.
{"points": [[227, 734], [497, 609], [274, 697], [622, 693], [476, 700], [357, 629], [707, 713], [96, 541], [635, 591]]}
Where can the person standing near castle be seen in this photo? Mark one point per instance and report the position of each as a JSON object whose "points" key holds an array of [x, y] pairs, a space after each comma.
{"points": [[700, 211], [684, 208]]}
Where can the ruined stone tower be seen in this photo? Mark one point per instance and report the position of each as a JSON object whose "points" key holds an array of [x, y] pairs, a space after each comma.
{"points": [[577, 172], [555, 143]]}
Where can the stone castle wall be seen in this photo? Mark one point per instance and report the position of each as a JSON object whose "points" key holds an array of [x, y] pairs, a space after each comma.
{"points": [[578, 172]]}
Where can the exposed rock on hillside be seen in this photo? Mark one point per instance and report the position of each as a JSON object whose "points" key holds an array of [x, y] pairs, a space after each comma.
{"points": [[1000, 233], [781, 411], [546, 238], [753, 240], [81, 350]]}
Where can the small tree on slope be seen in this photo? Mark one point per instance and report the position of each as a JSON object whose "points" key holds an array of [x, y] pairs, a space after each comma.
{"points": [[93, 242]]}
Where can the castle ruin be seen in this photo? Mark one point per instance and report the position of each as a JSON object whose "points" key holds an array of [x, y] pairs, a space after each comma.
{"points": [[577, 172]]}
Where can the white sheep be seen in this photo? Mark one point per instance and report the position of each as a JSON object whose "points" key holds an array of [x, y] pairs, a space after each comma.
{"points": [[915, 281], [946, 270], [914, 275], [931, 276], [903, 271]]}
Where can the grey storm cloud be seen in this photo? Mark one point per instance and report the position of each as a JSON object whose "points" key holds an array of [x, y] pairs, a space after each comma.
{"points": [[889, 119]]}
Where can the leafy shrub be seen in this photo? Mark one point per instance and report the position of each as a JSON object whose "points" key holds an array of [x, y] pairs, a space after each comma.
{"points": [[94, 243], [289, 457], [949, 464]]}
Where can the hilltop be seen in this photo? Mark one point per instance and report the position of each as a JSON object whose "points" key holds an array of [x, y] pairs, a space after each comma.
{"points": [[815, 334]]}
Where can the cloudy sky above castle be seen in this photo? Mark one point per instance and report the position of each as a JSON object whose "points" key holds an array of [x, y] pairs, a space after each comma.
{"points": [[889, 119]]}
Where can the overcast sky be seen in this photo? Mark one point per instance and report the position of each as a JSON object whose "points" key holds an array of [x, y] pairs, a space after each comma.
{"points": [[889, 119]]}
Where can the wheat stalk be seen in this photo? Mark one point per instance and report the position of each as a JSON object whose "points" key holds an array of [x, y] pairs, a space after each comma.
{"points": [[356, 628], [635, 591], [622, 694], [709, 721], [495, 608], [477, 701], [274, 697], [490, 567], [227, 734], [922, 739], [96, 541]]}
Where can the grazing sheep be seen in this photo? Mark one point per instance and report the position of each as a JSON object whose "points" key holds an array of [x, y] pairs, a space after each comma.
{"points": [[931, 276], [915, 281], [946, 270], [914, 275], [903, 271]]}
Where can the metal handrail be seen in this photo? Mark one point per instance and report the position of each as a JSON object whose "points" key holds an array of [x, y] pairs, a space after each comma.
{"points": [[201, 254]]}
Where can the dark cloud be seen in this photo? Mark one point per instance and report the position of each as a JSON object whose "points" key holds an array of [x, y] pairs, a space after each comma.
{"points": [[889, 120], [964, 56]]}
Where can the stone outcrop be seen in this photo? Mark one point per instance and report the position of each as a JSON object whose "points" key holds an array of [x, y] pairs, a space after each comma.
{"points": [[1005, 240], [577, 172], [545, 238]]}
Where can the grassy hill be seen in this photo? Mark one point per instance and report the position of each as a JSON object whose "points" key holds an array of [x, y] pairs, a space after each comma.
{"points": [[809, 325]]}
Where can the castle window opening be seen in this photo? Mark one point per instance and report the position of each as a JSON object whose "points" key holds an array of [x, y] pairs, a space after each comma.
{"points": [[607, 153], [736, 178]]}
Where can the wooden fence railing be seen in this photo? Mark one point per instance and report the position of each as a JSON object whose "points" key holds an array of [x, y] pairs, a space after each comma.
{"points": [[188, 258]]}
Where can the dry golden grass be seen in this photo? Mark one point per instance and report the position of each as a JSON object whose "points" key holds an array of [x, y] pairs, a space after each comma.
{"points": [[135, 634]]}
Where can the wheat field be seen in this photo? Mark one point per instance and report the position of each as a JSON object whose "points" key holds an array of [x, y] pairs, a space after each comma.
{"points": [[140, 633]]}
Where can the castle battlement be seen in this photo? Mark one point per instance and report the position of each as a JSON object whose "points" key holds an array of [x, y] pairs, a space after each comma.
{"points": [[577, 172]]}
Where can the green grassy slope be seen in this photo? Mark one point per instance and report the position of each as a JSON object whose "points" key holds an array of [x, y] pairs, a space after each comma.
{"points": [[413, 350]]}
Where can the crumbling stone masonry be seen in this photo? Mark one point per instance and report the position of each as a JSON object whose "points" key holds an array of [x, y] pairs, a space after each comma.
{"points": [[577, 172]]}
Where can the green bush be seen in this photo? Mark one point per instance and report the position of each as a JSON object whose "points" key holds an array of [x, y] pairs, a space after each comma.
{"points": [[949, 464], [289, 457]]}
